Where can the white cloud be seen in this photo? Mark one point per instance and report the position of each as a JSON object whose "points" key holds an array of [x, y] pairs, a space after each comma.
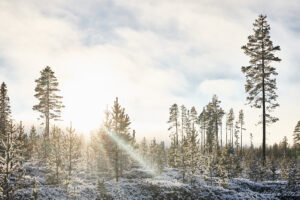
{"points": [[165, 52]]}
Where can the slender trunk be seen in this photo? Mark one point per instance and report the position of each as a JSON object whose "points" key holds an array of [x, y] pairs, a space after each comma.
{"points": [[221, 136], [176, 124], [264, 106], [241, 139], [217, 138], [47, 114], [226, 133], [116, 165]]}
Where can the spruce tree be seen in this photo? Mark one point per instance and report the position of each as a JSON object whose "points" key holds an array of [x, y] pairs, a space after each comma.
{"points": [[50, 103], [72, 151], [55, 160], [10, 163], [4, 113], [118, 128], [260, 82], [33, 141]]}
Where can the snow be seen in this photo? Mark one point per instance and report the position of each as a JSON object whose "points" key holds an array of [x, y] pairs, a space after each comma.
{"points": [[138, 184]]}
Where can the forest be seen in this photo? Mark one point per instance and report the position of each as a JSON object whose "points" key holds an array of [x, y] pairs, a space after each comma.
{"points": [[207, 155]]}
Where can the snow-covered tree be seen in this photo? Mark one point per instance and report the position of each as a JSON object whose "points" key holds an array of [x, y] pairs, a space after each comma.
{"points": [[117, 126], [71, 151], [294, 177], [33, 142], [4, 113], [55, 159], [11, 170]]}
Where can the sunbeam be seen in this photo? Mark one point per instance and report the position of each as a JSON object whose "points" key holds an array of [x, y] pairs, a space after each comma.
{"points": [[133, 153]]}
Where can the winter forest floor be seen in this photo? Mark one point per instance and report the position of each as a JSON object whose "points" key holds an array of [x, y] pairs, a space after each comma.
{"points": [[138, 184]]}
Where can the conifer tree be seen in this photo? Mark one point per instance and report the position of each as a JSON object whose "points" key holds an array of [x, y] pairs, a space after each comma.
{"points": [[4, 113], [236, 135], [174, 122], [33, 140], [229, 125], [241, 125], [153, 151], [203, 121], [297, 137], [50, 103], [119, 125], [143, 147], [294, 177], [56, 157], [22, 141], [217, 116], [174, 125], [72, 151], [10, 163], [260, 82]]}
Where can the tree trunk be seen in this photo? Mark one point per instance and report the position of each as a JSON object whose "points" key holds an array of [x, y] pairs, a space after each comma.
{"points": [[264, 107], [117, 165], [241, 139]]}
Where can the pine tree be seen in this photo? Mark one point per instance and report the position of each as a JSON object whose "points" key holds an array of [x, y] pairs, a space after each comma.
{"points": [[293, 177], [4, 113], [241, 125], [284, 169], [236, 135], [273, 169], [260, 81], [297, 137], [10, 163], [50, 103], [203, 121], [143, 148], [217, 116], [211, 166], [226, 163], [22, 141], [55, 159], [174, 123], [33, 141], [72, 151], [229, 125], [118, 128], [193, 152], [153, 151]]}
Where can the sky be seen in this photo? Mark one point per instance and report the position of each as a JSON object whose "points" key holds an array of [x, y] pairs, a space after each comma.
{"points": [[148, 53]]}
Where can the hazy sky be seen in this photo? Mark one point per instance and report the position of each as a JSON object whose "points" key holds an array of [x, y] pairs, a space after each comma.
{"points": [[149, 53]]}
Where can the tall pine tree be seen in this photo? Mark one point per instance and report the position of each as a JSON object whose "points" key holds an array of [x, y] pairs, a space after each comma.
{"points": [[260, 82], [50, 103]]}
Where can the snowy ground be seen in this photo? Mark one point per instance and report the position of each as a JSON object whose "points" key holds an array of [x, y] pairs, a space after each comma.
{"points": [[138, 184]]}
